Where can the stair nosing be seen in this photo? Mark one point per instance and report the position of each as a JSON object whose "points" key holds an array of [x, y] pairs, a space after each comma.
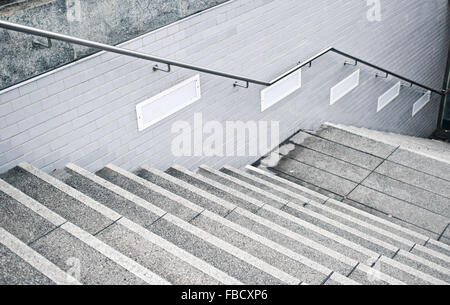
{"points": [[99, 246], [33, 205], [151, 237], [348, 243], [321, 206], [235, 251], [155, 188], [36, 260], [412, 271], [219, 243], [343, 205], [71, 192], [288, 216], [265, 222]]}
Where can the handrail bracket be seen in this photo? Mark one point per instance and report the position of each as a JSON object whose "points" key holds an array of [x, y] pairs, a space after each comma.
{"points": [[247, 85], [39, 45], [348, 63], [157, 68], [378, 75]]}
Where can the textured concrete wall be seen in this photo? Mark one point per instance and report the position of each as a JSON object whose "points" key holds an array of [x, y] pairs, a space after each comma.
{"points": [[107, 21], [85, 112]]}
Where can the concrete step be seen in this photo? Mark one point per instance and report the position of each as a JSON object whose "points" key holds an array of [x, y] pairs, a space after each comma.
{"points": [[297, 241], [70, 248], [342, 218], [219, 253], [21, 265], [411, 183], [332, 229], [156, 253], [432, 150], [379, 222], [273, 253], [319, 208], [298, 210]]}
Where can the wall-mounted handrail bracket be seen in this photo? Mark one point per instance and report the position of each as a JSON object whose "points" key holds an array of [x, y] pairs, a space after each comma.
{"points": [[39, 45], [378, 75], [349, 63], [409, 85], [309, 64], [237, 84], [157, 68]]}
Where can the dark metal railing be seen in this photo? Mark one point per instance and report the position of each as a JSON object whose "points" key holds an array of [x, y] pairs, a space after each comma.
{"points": [[87, 43]]}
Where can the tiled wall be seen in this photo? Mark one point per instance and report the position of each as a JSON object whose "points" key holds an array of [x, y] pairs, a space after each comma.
{"points": [[85, 112]]}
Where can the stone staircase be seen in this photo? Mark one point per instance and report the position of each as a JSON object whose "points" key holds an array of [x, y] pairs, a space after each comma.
{"points": [[257, 225]]}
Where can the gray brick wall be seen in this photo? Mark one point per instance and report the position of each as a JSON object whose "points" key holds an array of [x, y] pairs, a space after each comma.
{"points": [[85, 112]]}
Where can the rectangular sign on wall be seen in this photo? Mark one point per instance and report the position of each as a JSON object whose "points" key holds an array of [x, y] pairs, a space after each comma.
{"points": [[388, 96], [344, 87], [422, 102], [280, 90], [168, 102]]}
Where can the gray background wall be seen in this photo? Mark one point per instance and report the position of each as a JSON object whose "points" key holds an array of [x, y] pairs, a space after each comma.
{"points": [[85, 112]]}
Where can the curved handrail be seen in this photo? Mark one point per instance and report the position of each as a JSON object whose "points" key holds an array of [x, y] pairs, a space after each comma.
{"points": [[87, 43]]}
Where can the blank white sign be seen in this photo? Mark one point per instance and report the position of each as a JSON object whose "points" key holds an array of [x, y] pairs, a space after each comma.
{"points": [[388, 96], [168, 102], [344, 87], [280, 90], [422, 102]]}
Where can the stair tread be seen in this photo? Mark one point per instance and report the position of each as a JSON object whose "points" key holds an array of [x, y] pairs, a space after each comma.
{"points": [[240, 236], [69, 246], [245, 187], [264, 227], [180, 267], [398, 227], [21, 265], [226, 257]]}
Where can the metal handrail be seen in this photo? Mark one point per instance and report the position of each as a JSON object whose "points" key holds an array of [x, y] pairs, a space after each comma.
{"points": [[87, 43]]}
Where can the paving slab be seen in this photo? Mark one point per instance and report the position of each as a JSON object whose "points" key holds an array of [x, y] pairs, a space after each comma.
{"points": [[409, 193], [400, 209], [329, 164], [415, 178], [421, 163], [315, 176], [336, 150], [358, 142]]}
